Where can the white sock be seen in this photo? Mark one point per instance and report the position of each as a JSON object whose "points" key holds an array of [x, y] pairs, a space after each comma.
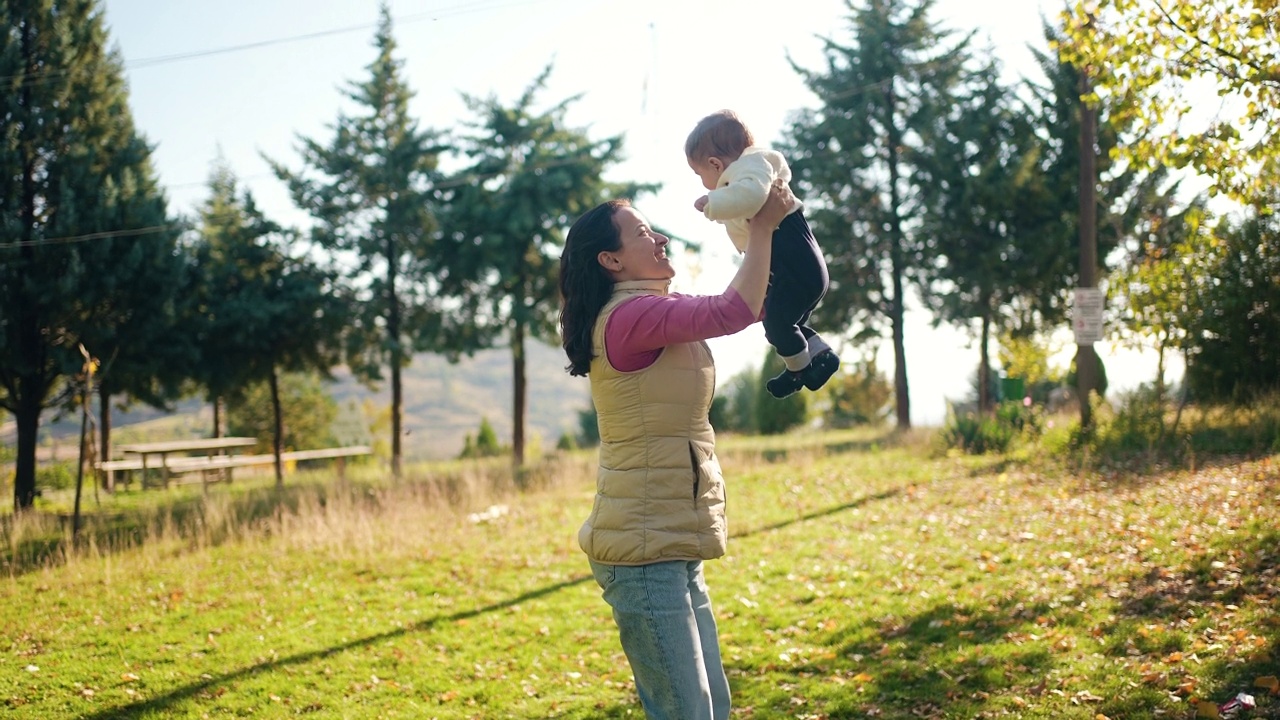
{"points": [[797, 362], [817, 345]]}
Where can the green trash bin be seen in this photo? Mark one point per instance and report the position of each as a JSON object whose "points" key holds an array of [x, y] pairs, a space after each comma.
{"points": [[1012, 389]]}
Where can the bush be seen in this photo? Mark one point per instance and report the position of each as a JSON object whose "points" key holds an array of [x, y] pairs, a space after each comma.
{"points": [[485, 444], [1138, 426], [566, 442], [860, 395], [588, 427], [307, 412], [978, 435], [56, 476]]}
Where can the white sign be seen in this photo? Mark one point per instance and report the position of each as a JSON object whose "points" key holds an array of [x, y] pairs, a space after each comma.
{"points": [[1086, 315]]}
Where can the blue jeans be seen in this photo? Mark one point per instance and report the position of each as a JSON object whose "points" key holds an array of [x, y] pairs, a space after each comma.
{"points": [[664, 619]]}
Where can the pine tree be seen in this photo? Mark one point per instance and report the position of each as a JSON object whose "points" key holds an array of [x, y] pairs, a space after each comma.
{"points": [[529, 175], [82, 216], [261, 310], [853, 168], [373, 198], [982, 212]]}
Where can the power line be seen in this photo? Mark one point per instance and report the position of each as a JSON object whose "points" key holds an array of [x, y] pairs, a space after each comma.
{"points": [[448, 184], [88, 236], [481, 5]]}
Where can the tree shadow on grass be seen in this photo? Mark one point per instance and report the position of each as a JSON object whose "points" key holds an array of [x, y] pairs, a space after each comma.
{"points": [[1241, 577], [833, 510], [776, 454], [160, 704], [945, 660]]}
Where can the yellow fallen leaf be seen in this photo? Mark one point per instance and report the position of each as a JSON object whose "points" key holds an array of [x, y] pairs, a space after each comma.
{"points": [[1100, 716], [862, 678], [1205, 709], [1270, 682]]}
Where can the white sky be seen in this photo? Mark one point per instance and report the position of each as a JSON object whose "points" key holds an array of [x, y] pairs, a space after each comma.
{"points": [[648, 69]]}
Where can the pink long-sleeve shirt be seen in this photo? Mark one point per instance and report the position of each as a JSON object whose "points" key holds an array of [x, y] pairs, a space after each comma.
{"points": [[638, 329]]}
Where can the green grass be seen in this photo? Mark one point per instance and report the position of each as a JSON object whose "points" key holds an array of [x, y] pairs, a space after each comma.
{"points": [[868, 576]]}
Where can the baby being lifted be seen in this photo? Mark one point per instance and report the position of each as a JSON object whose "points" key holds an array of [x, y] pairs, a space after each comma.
{"points": [[738, 173]]}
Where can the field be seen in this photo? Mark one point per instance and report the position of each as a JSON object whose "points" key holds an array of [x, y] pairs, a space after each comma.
{"points": [[869, 575]]}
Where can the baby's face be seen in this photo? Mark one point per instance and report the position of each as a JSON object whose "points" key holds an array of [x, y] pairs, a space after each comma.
{"points": [[708, 171]]}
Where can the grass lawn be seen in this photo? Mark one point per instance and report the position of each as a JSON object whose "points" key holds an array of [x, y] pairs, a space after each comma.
{"points": [[868, 576]]}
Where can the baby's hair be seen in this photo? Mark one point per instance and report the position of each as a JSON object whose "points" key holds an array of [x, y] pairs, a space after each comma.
{"points": [[720, 134]]}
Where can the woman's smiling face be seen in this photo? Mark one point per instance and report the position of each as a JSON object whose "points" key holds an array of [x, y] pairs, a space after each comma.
{"points": [[643, 255]]}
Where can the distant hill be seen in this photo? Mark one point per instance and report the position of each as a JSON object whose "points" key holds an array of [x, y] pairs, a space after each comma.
{"points": [[443, 403]]}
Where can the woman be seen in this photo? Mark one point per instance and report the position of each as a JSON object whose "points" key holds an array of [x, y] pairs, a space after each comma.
{"points": [[659, 506]]}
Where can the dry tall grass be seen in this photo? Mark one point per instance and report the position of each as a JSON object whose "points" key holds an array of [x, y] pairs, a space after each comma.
{"points": [[363, 513]]}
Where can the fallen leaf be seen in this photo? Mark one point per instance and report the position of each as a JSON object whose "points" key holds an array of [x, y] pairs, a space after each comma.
{"points": [[1205, 709], [1269, 682]]}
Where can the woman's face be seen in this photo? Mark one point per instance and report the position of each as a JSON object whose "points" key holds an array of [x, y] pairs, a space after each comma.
{"points": [[643, 255]]}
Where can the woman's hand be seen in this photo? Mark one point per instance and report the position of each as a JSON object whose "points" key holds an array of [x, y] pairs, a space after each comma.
{"points": [[776, 206]]}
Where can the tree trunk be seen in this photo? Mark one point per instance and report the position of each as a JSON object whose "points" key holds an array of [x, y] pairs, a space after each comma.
{"points": [[897, 310], [1086, 359], [84, 442], [217, 416], [277, 428], [984, 368], [393, 335], [27, 419], [520, 392], [29, 386], [104, 433]]}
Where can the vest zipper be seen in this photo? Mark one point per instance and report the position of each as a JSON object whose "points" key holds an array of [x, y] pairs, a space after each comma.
{"points": [[697, 477]]}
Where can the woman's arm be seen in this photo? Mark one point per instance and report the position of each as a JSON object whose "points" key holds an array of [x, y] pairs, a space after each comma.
{"points": [[638, 329]]}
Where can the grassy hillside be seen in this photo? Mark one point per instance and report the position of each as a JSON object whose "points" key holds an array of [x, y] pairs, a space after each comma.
{"points": [[443, 403], [867, 576]]}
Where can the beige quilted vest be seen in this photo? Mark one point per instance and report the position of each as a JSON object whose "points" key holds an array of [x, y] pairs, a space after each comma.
{"points": [[659, 490]]}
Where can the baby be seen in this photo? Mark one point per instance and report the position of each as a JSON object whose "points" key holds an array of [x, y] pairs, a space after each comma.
{"points": [[738, 175]]}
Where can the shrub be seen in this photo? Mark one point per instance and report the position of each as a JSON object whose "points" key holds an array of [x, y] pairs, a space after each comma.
{"points": [[485, 444], [860, 395], [978, 435], [57, 476], [774, 416]]}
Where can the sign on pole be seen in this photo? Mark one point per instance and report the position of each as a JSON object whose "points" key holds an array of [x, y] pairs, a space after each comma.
{"points": [[1086, 315]]}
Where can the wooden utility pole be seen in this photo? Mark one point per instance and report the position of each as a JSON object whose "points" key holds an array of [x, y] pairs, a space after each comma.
{"points": [[1086, 358]]}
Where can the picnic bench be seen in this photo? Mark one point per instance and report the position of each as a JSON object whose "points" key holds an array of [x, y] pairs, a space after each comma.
{"points": [[218, 467], [209, 447]]}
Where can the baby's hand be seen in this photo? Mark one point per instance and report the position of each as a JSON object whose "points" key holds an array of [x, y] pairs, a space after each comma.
{"points": [[701, 203]]}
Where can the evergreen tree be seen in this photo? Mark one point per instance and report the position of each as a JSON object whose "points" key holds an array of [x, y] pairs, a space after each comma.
{"points": [[1234, 343], [261, 310], [982, 213], [529, 175], [82, 216], [372, 191], [774, 416], [853, 168]]}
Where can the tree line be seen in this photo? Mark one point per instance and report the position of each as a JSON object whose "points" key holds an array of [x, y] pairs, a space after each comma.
{"points": [[923, 170]]}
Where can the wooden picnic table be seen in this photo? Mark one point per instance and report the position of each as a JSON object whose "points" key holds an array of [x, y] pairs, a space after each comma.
{"points": [[206, 446]]}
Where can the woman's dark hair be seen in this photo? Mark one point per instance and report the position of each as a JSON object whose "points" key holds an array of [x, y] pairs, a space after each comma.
{"points": [[585, 286]]}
